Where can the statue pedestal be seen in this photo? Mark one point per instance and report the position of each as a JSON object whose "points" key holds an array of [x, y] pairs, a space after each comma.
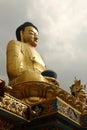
{"points": [[33, 91], [53, 114]]}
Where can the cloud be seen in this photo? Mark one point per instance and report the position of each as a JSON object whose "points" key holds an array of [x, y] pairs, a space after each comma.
{"points": [[63, 34]]}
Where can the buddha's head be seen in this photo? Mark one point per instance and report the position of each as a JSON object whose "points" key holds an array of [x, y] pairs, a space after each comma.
{"points": [[27, 33]]}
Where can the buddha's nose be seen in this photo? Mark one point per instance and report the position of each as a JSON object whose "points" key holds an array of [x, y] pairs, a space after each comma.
{"points": [[36, 37]]}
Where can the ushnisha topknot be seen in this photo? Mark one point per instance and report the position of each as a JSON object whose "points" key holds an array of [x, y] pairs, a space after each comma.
{"points": [[22, 27]]}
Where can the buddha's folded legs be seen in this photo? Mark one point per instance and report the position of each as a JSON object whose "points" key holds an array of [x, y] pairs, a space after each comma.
{"points": [[27, 76]]}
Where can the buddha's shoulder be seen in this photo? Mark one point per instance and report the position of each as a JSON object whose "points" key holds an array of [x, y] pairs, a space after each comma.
{"points": [[14, 42], [17, 44]]}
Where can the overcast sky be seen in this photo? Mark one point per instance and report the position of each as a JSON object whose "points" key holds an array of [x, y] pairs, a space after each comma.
{"points": [[63, 34]]}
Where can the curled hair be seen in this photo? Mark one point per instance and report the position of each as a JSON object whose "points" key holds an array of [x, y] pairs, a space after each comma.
{"points": [[22, 27]]}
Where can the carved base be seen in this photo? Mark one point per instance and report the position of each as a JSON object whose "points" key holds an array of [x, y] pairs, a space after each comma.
{"points": [[34, 92]]}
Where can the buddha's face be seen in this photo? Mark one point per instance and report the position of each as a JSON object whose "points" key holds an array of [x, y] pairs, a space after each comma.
{"points": [[30, 36]]}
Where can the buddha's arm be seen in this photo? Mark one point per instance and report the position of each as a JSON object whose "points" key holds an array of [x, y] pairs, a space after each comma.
{"points": [[13, 59]]}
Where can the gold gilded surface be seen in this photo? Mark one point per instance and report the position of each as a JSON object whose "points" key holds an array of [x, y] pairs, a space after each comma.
{"points": [[25, 63], [24, 67], [13, 106], [79, 91], [34, 91]]}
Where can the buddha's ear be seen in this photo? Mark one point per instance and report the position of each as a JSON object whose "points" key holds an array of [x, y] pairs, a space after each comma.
{"points": [[21, 35]]}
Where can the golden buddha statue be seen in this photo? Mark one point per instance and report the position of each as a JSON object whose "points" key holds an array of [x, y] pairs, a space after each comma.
{"points": [[25, 66]]}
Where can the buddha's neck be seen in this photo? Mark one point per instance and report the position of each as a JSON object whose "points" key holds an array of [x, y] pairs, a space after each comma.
{"points": [[29, 44]]}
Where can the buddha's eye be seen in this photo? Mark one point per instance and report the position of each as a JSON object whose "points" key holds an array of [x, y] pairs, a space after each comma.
{"points": [[32, 33]]}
